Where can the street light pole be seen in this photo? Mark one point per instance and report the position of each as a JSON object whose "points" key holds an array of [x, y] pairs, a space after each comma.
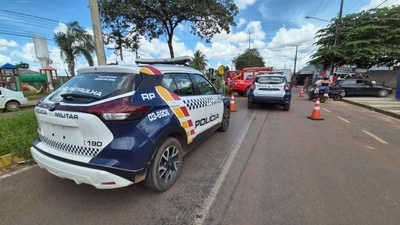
{"points": [[311, 17], [337, 30], [338, 24]]}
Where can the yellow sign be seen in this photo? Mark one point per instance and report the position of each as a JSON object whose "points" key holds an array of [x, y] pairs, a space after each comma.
{"points": [[221, 70]]}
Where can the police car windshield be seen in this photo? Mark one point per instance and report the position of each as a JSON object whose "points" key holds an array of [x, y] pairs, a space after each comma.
{"points": [[92, 87]]}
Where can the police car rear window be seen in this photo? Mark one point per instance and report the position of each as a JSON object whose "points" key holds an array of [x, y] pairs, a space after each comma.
{"points": [[92, 87], [270, 80]]}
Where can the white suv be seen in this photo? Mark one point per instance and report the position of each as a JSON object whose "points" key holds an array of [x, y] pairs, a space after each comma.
{"points": [[112, 126], [270, 88]]}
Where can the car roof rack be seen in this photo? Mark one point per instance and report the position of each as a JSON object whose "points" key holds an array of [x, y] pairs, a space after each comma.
{"points": [[178, 60]]}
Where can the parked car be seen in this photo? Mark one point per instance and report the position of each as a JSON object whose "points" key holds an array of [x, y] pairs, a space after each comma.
{"points": [[11, 100], [271, 88], [361, 87], [112, 126]]}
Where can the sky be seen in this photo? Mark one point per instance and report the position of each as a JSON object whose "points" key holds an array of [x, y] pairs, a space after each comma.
{"points": [[274, 27]]}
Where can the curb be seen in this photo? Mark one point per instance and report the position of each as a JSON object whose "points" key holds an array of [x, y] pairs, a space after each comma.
{"points": [[9, 159], [395, 115]]}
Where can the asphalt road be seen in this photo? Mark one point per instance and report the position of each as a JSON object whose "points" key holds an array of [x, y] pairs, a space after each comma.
{"points": [[271, 167]]}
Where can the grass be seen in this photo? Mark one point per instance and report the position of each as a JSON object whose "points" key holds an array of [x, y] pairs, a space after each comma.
{"points": [[18, 129], [17, 132]]}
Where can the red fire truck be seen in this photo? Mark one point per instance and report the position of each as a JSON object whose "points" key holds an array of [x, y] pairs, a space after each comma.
{"points": [[242, 84]]}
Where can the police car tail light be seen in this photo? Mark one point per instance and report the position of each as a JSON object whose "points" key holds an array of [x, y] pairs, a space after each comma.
{"points": [[118, 110], [287, 87]]}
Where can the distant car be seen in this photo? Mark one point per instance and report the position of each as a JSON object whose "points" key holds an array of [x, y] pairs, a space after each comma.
{"points": [[11, 100], [360, 87], [270, 88]]}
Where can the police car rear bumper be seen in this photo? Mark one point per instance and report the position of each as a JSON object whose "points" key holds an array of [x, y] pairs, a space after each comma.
{"points": [[271, 100], [99, 178]]}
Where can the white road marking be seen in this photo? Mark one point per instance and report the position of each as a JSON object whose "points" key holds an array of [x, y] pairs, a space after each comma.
{"points": [[326, 110], [202, 215], [376, 138], [343, 119], [16, 172]]}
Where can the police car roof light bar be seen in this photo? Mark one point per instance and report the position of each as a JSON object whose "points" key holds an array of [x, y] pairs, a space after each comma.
{"points": [[178, 60]]}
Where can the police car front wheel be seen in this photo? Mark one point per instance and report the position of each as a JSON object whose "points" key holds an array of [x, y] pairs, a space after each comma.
{"points": [[166, 166]]}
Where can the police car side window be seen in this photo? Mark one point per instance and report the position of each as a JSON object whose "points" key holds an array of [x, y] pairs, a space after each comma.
{"points": [[180, 84], [204, 85]]}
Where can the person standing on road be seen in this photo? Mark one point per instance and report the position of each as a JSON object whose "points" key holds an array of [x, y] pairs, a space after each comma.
{"points": [[306, 84]]}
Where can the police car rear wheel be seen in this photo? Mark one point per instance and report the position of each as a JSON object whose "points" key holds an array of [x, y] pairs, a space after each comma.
{"points": [[225, 120], [166, 166]]}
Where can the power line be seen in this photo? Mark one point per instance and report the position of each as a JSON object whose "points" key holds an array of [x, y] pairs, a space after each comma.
{"points": [[33, 16]]}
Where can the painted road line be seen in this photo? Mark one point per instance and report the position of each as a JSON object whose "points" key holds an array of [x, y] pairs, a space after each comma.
{"points": [[16, 172], [326, 110], [202, 215], [343, 119], [376, 138]]}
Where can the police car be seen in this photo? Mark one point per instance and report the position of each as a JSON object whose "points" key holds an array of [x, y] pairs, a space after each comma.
{"points": [[270, 88], [112, 126]]}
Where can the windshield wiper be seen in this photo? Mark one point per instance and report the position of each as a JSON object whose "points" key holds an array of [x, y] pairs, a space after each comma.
{"points": [[72, 96]]}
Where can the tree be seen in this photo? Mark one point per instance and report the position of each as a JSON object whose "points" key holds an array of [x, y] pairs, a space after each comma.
{"points": [[199, 61], [365, 39], [250, 58], [22, 65], [153, 18], [113, 17], [73, 42]]}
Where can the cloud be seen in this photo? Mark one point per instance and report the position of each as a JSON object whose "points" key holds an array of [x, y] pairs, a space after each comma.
{"points": [[243, 4], [241, 22], [380, 4], [4, 45]]}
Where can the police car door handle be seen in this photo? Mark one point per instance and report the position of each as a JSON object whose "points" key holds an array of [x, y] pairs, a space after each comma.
{"points": [[174, 104]]}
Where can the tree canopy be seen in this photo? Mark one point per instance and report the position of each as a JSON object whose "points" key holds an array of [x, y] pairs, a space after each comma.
{"points": [[75, 41], [199, 61], [365, 39], [22, 65], [116, 28], [153, 18], [250, 58]]}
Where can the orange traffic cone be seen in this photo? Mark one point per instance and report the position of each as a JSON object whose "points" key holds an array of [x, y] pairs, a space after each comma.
{"points": [[301, 93], [316, 115], [232, 104]]}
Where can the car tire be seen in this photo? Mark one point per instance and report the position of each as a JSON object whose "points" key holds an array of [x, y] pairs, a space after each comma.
{"points": [[240, 93], [12, 106], [309, 96], [166, 166], [286, 107], [383, 93], [337, 97], [343, 93], [322, 100], [247, 92], [225, 120], [250, 105]]}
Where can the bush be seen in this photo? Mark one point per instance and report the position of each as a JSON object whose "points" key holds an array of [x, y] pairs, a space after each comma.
{"points": [[17, 132]]}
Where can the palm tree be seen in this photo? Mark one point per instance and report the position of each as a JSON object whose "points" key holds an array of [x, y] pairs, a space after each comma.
{"points": [[73, 42], [199, 61]]}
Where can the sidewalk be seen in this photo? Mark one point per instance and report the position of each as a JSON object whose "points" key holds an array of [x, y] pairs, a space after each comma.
{"points": [[389, 106]]}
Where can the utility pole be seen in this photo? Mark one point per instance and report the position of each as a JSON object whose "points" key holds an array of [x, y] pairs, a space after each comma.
{"points": [[295, 61], [248, 52], [98, 38], [337, 30]]}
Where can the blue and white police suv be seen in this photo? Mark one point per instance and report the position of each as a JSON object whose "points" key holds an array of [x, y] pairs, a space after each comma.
{"points": [[112, 126]]}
